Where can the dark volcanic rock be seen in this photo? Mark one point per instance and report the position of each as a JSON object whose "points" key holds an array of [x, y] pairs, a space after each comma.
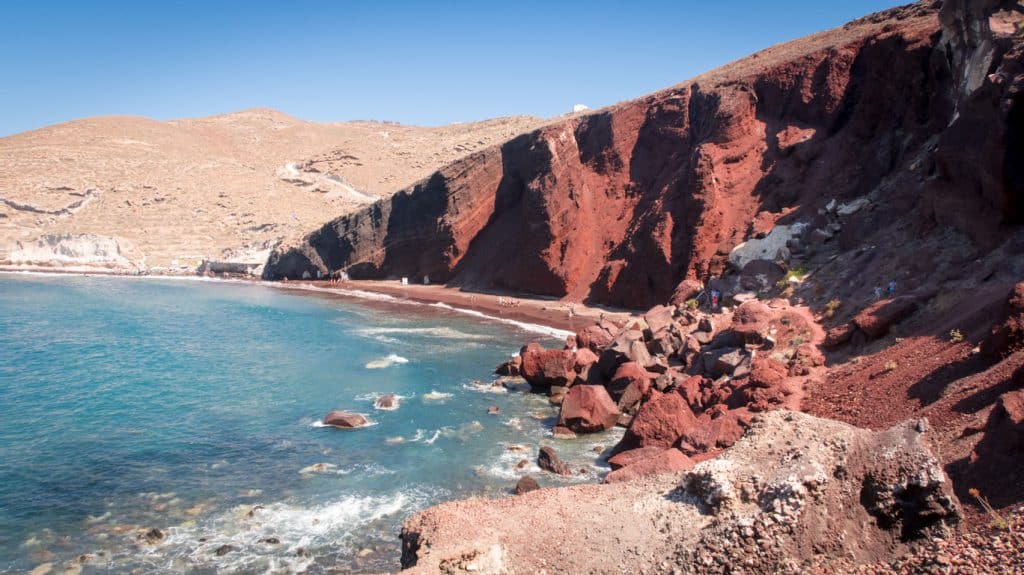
{"points": [[548, 460]]}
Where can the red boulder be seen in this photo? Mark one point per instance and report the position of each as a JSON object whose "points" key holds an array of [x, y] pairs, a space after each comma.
{"points": [[659, 422], [546, 367], [588, 409], [632, 456], [666, 461], [876, 319]]}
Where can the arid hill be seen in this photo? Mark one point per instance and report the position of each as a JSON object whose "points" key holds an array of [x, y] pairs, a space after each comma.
{"points": [[129, 193]]}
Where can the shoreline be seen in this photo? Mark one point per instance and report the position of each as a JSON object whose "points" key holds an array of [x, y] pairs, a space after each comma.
{"points": [[552, 317]]}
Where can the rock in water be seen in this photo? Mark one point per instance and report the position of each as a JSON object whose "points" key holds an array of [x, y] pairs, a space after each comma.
{"points": [[387, 402], [224, 550], [526, 484], [588, 409], [548, 460], [345, 419], [153, 536]]}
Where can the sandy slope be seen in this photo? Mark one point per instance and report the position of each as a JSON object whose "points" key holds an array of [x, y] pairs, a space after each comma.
{"points": [[172, 193]]}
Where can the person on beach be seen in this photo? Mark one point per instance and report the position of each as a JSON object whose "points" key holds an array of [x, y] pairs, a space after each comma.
{"points": [[892, 288], [878, 293]]}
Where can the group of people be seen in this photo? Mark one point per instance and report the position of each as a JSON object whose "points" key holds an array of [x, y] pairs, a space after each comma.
{"points": [[890, 291], [508, 302]]}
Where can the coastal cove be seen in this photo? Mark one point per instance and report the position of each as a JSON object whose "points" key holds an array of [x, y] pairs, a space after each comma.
{"points": [[173, 425]]}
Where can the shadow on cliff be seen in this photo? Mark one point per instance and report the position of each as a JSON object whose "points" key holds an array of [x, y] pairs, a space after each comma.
{"points": [[507, 253]]}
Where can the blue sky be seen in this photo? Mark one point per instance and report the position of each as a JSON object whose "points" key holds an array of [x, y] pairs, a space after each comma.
{"points": [[425, 63]]}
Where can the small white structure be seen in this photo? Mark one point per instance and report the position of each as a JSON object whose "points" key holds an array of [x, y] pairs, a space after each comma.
{"points": [[426, 280], [405, 281], [305, 275], [579, 108], [343, 276]]}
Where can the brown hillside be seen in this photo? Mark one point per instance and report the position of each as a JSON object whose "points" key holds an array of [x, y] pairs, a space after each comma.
{"points": [[173, 193]]}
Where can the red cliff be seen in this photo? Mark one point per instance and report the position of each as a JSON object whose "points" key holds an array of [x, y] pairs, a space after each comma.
{"points": [[621, 205]]}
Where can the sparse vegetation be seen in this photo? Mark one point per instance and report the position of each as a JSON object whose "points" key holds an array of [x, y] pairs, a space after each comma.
{"points": [[955, 336], [692, 304], [891, 366], [831, 307], [997, 521]]}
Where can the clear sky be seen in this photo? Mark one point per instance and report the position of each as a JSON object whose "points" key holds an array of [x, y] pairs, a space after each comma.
{"points": [[414, 62]]}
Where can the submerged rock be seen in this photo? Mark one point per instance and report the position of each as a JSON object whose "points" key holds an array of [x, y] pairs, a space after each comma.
{"points": [[387, 402], [345, 419], [224, 550]]}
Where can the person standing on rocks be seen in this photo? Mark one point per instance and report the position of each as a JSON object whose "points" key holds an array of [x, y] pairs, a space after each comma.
{"points": [[892, 288]]}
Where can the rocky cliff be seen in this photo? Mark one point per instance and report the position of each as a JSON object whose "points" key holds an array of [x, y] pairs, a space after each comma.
{"points": [[918, 114]]}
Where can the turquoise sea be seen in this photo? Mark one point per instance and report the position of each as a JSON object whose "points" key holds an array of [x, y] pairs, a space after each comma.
{"points": [[192, 407]]}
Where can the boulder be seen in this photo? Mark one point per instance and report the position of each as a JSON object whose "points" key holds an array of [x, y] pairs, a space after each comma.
{"points": [[386, 402], [560, 432], [838, 336], [546, 367], [510, 367], [595, 338], [659, 317], [752, 321], [627, 373], [632, 456], [671, 378], [526, 484], [667, 461], [760, 275], [627, 346], [766, 373], [588, 409], [686, 290], [691, 389], [715, 429], [556, 394], [666, 342], [659, 422], [548, 460], [735, 363], [583, 359], [345, 419], [876, 319]]}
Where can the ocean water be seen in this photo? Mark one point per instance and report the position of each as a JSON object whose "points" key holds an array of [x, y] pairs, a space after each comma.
{"points": [[193, 407]]}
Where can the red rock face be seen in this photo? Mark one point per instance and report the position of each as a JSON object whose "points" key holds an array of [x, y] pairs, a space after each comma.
{"points": [[623, 205]]}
